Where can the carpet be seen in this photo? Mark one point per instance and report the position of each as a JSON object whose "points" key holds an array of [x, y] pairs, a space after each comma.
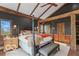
{"points": [[64, 49], [17, 52]]}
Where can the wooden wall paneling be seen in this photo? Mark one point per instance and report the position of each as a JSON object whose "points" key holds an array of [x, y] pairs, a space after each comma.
{"points": [[56, 38], [61, 32], [67, 39], [73, 31]]}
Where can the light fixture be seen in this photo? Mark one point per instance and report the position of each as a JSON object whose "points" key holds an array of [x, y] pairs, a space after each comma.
{"points": [[14, 27]]}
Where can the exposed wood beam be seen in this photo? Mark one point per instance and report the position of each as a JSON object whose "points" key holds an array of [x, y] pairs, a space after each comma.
{"points": [[73, 32], [61, 16], [45, 11], [12, 12], [35, 8], [18, 7]]}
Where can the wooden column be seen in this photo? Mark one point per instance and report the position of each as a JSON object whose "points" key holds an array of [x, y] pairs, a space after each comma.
{"points": [[39, 26], [43, 27], [73, 32]]}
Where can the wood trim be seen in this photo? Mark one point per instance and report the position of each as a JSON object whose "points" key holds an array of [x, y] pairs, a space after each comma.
{"points": [[61, 16], [34, 8], [73, 32]]}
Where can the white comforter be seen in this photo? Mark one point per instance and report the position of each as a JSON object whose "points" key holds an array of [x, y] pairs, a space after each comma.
{"points": [[26, 42]]}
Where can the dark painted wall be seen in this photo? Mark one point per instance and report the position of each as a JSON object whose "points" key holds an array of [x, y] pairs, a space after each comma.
{"points": [[67, 25], [21, 22]]}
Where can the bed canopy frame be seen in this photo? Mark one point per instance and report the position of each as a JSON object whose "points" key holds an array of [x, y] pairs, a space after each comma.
{"points": [[33, 34]]}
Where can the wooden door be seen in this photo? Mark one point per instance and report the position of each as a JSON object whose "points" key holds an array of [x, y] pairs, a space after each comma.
{"points": [[61, 32]]}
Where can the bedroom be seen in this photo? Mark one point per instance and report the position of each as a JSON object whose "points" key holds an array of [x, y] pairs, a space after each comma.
{"points": [[19, 16]]}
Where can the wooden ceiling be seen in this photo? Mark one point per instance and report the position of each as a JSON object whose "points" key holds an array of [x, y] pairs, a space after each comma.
{"points": [[29, 9]]}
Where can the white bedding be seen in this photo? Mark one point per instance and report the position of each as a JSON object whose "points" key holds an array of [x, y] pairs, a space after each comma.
{"points": [[25, 42]]}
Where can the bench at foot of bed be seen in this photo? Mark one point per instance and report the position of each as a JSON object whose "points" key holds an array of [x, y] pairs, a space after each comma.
{"points": [[48, 49]]}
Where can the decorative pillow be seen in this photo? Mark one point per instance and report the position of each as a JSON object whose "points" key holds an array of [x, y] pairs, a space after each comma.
{"points": [[38, 39], [44, 35]]}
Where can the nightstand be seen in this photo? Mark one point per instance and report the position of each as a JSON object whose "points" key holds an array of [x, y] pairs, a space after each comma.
{"points": [[10, 43]]}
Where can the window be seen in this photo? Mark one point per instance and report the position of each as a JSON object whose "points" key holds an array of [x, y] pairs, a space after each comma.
{"points": [[5, 27]]}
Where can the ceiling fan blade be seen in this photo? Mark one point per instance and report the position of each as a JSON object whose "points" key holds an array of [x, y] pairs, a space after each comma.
{"points": [[54, 4]]}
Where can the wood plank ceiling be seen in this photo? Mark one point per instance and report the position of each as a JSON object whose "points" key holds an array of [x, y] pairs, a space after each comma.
{"points": [[30, 9]]}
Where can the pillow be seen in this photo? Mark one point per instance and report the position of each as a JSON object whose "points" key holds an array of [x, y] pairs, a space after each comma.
{"points": [[44, 35], [27, 32], [38, 39]]}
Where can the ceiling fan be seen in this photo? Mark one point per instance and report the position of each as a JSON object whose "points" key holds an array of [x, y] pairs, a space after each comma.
{"points": [[51, 4]]}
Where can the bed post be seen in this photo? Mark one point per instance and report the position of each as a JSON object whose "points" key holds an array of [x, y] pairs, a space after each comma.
{"points": [[33, 35]]}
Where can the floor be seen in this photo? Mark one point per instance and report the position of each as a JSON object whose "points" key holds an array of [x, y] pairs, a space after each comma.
{"points": [[64, 49], [73, 52]]}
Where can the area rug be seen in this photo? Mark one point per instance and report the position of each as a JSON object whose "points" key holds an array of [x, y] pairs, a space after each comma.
{"points": [[64, 49]]}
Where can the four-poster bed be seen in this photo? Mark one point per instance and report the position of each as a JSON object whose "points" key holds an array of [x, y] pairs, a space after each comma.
{"points": [[31, 42]]}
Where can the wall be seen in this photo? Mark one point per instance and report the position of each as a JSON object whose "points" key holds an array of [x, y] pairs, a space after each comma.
{"points": [[67, 25], [21, 22]]}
